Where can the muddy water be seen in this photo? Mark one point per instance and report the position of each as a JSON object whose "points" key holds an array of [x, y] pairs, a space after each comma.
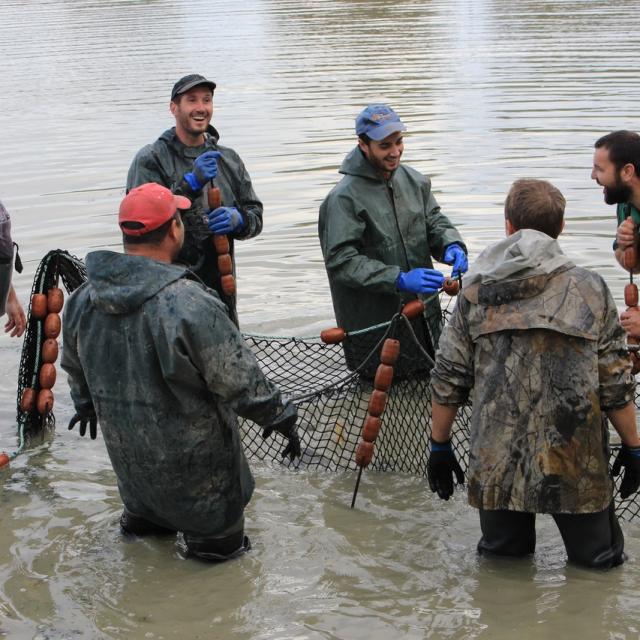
{"points": [[490, 91]]}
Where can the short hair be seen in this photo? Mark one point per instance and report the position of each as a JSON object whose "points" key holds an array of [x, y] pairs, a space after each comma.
{"points": [[179, 97], [153, 237], [623, 147], [365, 138], [535, 204]]}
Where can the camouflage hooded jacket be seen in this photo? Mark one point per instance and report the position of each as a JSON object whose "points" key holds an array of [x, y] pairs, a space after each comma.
{"points": [[165, 162], [157, 358], [537, 342]]}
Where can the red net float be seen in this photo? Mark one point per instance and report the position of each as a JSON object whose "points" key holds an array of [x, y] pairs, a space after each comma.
{"points": [[413, 309], [384, 376], [55, 300], [390, 351], [221, 243], [50, 350], [38, 305], [333, 336], [451, 286], [228, 285], [47, 376], [4, 460], [371, 428], [44, 403], [225, 264], [631, 295], [28, 400], [377, 402], [364, 453], [52, 325]]}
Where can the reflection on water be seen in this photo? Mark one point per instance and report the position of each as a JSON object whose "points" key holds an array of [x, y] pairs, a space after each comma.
{"points": [[491, 90]]}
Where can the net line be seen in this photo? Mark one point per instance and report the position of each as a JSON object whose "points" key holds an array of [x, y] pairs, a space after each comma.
{"points": [[329, 383]]}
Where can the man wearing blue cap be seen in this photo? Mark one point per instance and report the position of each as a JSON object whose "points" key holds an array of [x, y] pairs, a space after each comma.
{"points": [[188, 160], [379, 228]]}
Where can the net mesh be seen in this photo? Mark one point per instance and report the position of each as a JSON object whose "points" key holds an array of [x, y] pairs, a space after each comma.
{"points": [[329, 383]]}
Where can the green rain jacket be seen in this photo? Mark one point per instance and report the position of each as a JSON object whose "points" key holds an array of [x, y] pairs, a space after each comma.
{"points": [[371, 230], [165, 162], [155, 355]]}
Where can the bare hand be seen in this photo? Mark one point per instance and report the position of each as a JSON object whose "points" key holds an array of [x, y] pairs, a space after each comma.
{"points": [[630, 321], [625, 235], [17, 322]]}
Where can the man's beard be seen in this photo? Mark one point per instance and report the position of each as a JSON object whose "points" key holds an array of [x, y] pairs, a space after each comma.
{"points": [[618, 193]]}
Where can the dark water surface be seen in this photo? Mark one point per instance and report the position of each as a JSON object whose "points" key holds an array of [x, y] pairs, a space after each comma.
{"points": [[490, 91]]}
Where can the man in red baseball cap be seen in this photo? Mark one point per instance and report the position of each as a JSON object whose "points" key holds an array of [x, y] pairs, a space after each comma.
{"points": [[154, 358]]}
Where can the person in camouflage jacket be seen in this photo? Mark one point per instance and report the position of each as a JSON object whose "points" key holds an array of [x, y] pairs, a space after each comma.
{"points": [[188, 160], [535, 341], [153, 357]]}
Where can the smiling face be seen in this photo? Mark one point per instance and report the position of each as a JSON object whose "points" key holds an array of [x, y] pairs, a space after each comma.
{"points": [[193, 111], [604, 172], [384, 155]]}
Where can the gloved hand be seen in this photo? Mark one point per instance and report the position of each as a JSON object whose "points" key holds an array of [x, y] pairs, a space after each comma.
{"points": [[205, 168], [454, 254], [420, 281], [285, 424], [225, 220], [91, 420], [440, 467], [629, 458]]}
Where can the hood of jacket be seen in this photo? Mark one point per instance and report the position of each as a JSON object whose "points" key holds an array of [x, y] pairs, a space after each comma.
{"points": [[356, 164], [119, 283]]}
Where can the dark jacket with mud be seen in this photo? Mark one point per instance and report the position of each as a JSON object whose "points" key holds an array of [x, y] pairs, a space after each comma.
{"points": [[371, 230], [156, 356], [537, 342], [165, 162]]}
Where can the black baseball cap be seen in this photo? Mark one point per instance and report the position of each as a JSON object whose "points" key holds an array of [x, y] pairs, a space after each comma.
{"points": [[188, 82]]}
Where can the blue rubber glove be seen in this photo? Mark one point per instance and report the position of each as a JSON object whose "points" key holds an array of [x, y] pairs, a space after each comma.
{"points": [[441, 467], [454, 254], [225, 220], [205, 168], [629, 458], [420, 281]]}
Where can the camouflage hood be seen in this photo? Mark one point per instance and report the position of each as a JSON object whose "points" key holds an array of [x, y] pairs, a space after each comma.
{"points": [[523, 255], [120, 283]]}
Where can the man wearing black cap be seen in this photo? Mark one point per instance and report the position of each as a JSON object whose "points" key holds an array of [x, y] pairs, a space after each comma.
{"points": [[188, 160]]}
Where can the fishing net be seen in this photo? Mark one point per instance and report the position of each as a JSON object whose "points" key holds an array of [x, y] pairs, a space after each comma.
{"points": [[330, 384]]}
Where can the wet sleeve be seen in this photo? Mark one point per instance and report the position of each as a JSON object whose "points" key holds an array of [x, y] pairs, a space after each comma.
{"points": [[616, 382], [453, 375], [230, 371], [70, 362], [247, 203], [440, 231], [342, 231]]}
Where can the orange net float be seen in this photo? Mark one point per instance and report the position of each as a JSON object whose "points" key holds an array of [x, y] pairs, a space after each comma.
{"points": [[55, 300], [228, 283], [38, 305], [225, 264], [631, 295], [390, 351], [384, 377], [4, 460], [451, 286], [47, 375], [364, 454], [630, 255], [52, 325], [222, 246], [221, 243], [377, 402], [50, 350], [413, 309], [44, 403], [333, 336], [371, 428], [28, 400]]}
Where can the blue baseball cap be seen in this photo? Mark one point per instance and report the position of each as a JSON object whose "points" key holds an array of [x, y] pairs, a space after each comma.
{"points": [[378, 121]]}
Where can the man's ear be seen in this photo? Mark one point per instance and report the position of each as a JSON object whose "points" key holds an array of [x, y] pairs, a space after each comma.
{"points": [[508, 227], [628, 173]]}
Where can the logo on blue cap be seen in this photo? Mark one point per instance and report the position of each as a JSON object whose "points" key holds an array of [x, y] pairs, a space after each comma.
{"points": [[378, 121]]}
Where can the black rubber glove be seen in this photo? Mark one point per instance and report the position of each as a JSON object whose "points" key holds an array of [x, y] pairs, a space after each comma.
{"points": [[440, 467], [629, 458], [285, 424], [90, 420]]}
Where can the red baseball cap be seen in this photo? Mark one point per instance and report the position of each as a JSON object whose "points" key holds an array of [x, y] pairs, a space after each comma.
{"points": [[151, 205]]}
